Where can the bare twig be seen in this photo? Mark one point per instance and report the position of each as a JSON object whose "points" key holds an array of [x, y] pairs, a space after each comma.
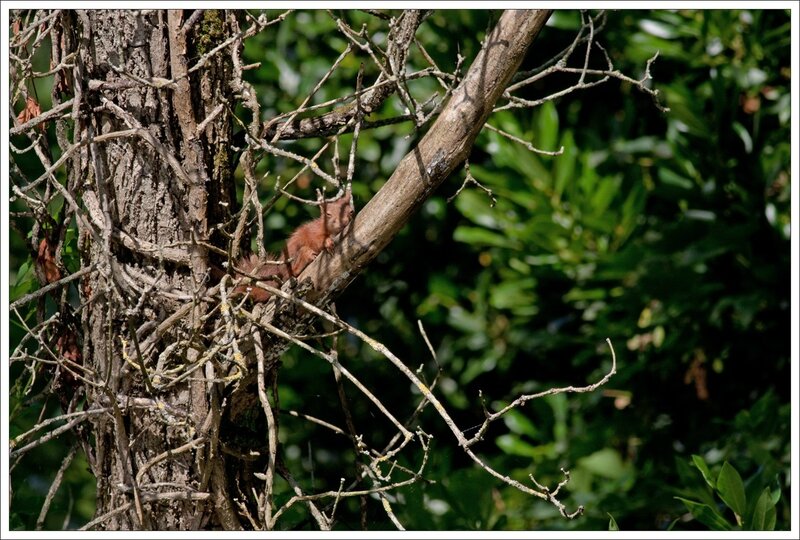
{"points": [[54, 485], [469, 179]]}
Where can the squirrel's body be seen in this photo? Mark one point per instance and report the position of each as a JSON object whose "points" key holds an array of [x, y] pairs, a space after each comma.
{"points": [[308, 240], [303, 246], [253, 266]]}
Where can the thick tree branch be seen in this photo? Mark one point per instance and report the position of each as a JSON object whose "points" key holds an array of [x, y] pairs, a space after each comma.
{"points": [[446, 145]]}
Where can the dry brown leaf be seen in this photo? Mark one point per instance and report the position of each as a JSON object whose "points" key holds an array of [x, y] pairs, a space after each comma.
{"points": [[47, 263], [31, 111]]}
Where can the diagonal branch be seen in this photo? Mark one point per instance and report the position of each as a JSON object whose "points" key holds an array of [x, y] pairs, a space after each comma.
{"points": [[446, 145]]}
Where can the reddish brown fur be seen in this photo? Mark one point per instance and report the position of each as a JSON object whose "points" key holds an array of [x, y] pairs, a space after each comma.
{"points": [[311, 238], [303, 246], [253, 266]]}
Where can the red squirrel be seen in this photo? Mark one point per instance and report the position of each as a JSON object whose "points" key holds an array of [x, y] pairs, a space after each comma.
{"points": [[273, 274], [303, 246]]}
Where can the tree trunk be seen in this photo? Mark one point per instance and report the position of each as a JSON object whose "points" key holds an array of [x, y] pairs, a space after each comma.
{"points": [[144, 200], [181, 443]]}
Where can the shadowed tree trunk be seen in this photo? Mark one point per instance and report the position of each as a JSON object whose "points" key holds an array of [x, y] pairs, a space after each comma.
{"points": [[153, 194]]}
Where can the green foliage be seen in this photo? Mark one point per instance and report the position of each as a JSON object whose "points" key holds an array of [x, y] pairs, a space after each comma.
{"points": [[667, 233], [25, 281], [754, 504], [757, 514]]}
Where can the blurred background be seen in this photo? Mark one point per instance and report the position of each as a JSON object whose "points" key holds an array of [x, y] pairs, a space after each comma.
{"points": [[667, 233]]}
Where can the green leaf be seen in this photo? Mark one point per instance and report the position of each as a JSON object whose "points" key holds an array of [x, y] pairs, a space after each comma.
{"points": [[672, 178], [764, 514], [445, 289], [513, 445], [631, 210], [558, 403], [469, 495], [706, 515], [483, 237], [564, 20], [564, 165], [700, 463], [682, 103], [25, 281], [606, 463], [55, 205], [465, 321], [744, 135], [512, 294], [658, 29], [24, 272], [605, 193], [521, 424], [731, 489], [763, 411], [589, 177], [580, 295], [612, 523], [474, 205], [775, 495], [548, 128]]}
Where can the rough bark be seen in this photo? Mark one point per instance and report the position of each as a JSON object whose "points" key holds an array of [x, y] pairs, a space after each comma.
{"points": [[130, 189], [155, 197]]}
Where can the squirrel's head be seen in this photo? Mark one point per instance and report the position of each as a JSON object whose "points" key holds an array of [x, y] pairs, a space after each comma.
{"points": [[339, 213]]}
